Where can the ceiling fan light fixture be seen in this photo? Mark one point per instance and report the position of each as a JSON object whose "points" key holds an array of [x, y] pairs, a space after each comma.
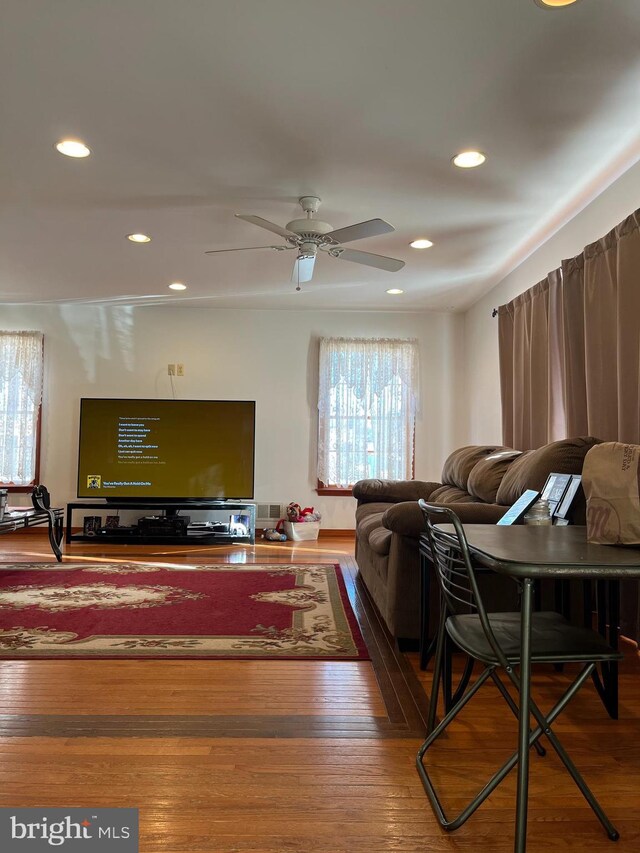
{"points": [[394, 291], [73, 148], [422, 243], [554, 4], [468, 159], [311, 235], [139, 238], [177, 285]]}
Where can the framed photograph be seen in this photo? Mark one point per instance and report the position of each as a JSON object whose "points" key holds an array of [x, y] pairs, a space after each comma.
{"points": [[554, 490], [562, 510], [91, 524], [112, 522], [517, 511]]}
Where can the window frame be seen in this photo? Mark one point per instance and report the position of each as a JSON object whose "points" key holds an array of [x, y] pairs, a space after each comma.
{"points": [[333, 490], [27, 488]]}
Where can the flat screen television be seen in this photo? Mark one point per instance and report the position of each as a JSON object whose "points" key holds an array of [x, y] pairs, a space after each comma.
{"points": [[164, 450]]}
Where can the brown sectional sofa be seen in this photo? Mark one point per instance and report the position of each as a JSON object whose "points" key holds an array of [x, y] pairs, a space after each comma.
{"points": [[478, 482]]}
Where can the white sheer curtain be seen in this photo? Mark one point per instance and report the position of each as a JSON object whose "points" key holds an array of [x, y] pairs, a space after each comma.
{"points": [[20, 396], [367, 406]]}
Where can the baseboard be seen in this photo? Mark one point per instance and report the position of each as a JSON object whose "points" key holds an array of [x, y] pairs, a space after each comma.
{"points": [[337, 533]]}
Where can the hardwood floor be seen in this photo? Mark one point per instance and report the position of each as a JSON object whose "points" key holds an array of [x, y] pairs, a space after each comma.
{"points": [[277, 756]]}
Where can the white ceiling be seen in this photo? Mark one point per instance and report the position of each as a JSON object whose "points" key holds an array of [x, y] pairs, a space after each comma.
{"points": [[196, 109]]}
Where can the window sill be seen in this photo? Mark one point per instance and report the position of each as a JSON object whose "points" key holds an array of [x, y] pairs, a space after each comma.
{"points": [[334, 491], [17, 489]]}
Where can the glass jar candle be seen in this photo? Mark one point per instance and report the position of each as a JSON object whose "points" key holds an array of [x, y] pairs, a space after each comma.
{"points": [[540, 513]]}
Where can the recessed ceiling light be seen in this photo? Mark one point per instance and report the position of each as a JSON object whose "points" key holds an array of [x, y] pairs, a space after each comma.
{"points": [[138, 238], [469, 159], [177, 285], [554, 4], [73, 148], [395, 291], [421, 244]]}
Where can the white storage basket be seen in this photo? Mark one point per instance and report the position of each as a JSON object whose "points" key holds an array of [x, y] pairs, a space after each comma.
{"points": [[302, 531]]}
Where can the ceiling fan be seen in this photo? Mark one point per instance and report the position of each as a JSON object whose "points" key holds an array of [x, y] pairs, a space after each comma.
{"points": [[308, 236]]}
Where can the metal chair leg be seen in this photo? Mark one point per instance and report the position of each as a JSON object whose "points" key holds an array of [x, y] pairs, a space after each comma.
{"points": [[544, 724], [543, 727], [447, 675], [437, 671], [508, 699], [465, 678], [491, 785]]}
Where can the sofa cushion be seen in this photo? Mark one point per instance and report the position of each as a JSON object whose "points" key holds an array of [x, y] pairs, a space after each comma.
{"points": [[380, 540], [532, 468], [369, 521], [487, 474], [450, 495], [461, 462]]}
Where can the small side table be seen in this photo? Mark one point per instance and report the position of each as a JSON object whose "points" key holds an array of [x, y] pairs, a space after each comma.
{"points": [[20, 519]]}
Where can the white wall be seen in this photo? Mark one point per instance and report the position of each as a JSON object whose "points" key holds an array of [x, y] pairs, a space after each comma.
{"points": [[269, 356], [481, 371]]}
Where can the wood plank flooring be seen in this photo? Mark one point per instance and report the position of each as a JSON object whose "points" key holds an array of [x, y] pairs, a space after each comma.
{"points": [[275, 756]]}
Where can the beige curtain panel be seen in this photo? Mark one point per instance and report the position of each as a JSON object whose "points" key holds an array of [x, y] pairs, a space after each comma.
{"points": [[528, 367], [570, 348]]}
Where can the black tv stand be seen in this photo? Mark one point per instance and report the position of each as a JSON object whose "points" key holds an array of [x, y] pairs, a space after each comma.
{"points": [[197, 532]]}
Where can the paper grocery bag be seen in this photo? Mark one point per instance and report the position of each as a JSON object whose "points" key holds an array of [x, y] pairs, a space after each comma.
{"points": [[611, 483]]}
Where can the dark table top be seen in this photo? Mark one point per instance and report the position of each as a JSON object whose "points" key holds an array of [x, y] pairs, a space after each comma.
{"points": [[545, 551]]}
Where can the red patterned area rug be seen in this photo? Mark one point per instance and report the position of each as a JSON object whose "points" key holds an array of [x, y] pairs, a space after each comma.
{"points": [[146, 610]]}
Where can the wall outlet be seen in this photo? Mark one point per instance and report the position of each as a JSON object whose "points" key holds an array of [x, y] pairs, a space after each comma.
{"points": [[171, 369], [179, 369]]}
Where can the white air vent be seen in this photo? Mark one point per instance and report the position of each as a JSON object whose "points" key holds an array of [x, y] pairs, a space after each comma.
{"points": [[269, 512]]}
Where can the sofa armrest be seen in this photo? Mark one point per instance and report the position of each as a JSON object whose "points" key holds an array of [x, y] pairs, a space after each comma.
{"points": [[404, 518], [392, 491], [407, 519]]}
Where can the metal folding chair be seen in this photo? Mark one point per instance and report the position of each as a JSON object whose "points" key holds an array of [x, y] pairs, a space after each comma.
{"points": [[493, 639]]}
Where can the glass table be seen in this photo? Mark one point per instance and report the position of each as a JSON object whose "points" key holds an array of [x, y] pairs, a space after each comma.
{"points": [[19, 519]]}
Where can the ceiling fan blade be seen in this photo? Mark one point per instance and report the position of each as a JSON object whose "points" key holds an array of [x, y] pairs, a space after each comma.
{"points": [[264, 223], [303, 269], [370, 228], [381, 262], [248, 248]]}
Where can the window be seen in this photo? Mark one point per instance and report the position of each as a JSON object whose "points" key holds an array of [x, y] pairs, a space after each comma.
{"points": [[367, 406], [21, 368]]}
